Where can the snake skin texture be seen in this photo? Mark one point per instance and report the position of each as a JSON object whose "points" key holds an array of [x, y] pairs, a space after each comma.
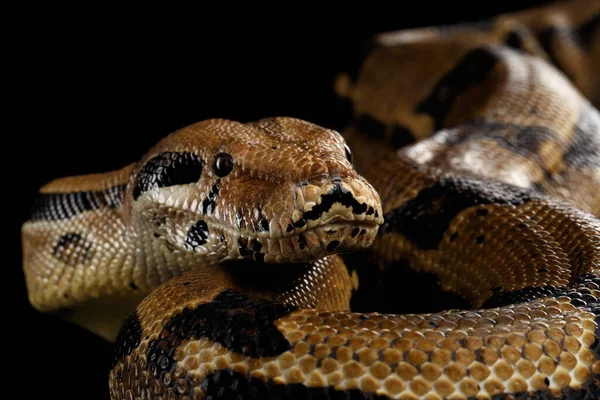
{"points": [[226, 262]]}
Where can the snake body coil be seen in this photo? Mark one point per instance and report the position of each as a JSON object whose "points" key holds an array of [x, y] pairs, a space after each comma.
{"points": [[225, 261]]}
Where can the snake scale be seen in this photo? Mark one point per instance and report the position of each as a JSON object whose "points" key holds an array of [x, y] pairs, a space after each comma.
{"points": [[224, 262]]}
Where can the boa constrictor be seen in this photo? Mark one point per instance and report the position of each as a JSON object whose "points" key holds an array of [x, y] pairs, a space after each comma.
{"points": [[253, 247]]}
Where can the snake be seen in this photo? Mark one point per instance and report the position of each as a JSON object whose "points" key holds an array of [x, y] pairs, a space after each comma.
{"points": [[275, 258]]}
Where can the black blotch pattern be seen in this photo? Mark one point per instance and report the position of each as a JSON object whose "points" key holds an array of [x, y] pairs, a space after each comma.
{"points": [[590, 391], [128, 339], [75, 241], [250, 249], [579, 294], [133, 286], [336, 195], [355, 231], [522, 140], [223, 164], [168, 169], [238, 322], [480, 239], [228, 385], [65, 240], [57, 206], [332, 245], [298, 224], [397, 288], [425, 219], [584, 150], [470, 71], [208, 204], [197, 235]]}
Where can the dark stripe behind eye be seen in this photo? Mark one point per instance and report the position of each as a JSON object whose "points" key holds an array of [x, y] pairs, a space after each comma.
{"points": [[168, 169]]}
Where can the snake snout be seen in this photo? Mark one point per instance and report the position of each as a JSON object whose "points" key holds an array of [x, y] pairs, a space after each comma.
{"points": [[333, 215], [311, 219], [338, 200]]}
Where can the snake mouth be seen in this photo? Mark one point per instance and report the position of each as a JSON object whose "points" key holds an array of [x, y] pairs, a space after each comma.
{"points": [[312, 243], [337, 203], [333, 217], [340, 237]]}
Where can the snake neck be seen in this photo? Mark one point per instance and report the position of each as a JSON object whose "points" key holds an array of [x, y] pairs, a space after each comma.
{"points": [[75, 243]]}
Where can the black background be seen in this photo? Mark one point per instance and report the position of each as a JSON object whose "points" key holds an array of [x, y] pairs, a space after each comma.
{"points": [[94, 89]]}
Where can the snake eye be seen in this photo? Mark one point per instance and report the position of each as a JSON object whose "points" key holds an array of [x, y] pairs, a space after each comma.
{"points": [[348, 153], [223, 164]]}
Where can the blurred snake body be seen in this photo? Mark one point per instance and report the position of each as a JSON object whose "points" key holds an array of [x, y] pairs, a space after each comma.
{"points": [[273, 259]]}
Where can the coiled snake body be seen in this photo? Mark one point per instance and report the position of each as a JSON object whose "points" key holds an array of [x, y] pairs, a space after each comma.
{"points": [[476, 164]]}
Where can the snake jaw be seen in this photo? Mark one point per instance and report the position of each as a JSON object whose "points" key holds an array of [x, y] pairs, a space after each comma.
{"points": [[302, 221], [331, 215], [313, 243]]}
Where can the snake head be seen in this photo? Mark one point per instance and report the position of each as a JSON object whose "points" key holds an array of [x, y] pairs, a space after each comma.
{"points": [[275, 190]]}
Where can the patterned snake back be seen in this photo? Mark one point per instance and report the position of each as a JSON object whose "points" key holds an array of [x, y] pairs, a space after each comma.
{"points": [[270, 259]]}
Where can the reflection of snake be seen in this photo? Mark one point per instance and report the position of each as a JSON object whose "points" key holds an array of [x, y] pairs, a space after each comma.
{"points": [[483, 144]]}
